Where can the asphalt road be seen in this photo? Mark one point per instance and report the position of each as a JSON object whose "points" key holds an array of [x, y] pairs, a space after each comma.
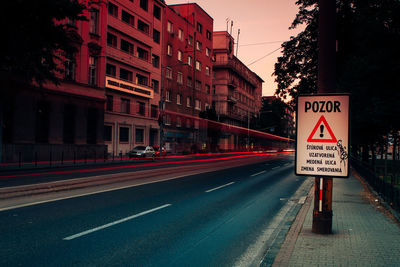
{"points": [[208, 219]]}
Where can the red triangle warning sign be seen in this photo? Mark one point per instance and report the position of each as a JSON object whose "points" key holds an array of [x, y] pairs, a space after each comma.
{"points": [[320, 135]]}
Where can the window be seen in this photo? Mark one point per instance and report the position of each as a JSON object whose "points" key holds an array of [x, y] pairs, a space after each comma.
{"points": [[198, 85], [142, 53], [69, 65], [142, 80], [188, 100], [112, 9], [125, 75], [111, 70], [208, 35], [190, 40], [179, 55], [178, 122], [107, 133], [92, 70], [197, 104], [168, 119], [143, 27], [156, 36], [139, 136], [198, 45], [155, 60], [179, 77], [168, 96], [189, 81], [180, 34], [170, 27], [154, 111], [126, 46], [69, 123], [199, 27], [111, 40], [198, 65], [206, 106], [94, 21], [208, 51], [144, 4], [127, 18], [169, 50], [109, 102], [190, 61], [157, 12], [155, 85], [91, 126], [188, 123], [196, 124], [179, 99], [123, 134], [208, 90], [168, 73], [125, 105], [207, 70], [141, 108]]}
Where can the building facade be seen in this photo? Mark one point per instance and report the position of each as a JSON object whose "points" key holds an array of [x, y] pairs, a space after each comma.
{"points": [[65, 121], [133, 74], [236, 91], [187, 77]]}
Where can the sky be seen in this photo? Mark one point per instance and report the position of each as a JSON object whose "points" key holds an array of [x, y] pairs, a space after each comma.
{"points": [[263, 24]]}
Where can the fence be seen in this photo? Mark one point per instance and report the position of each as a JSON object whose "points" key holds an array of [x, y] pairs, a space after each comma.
{"points": [[387, 186]]}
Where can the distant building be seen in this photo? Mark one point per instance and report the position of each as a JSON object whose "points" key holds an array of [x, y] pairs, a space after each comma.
{"points": [[187, 83], [65, 121], [236, 90], [133, 73]]}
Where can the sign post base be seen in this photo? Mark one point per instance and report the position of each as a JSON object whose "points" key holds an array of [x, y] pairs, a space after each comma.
{"points": [[322, 222]]}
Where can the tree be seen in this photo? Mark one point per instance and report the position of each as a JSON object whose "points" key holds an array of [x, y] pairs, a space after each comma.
{"points": [[33, 37], [274, 117], [368, 63]]}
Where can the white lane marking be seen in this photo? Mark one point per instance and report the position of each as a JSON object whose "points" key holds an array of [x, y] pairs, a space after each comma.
{"points": [[274, 168], [286, 164], [257, 173], [115, 222], [89, 193], [219, 187]]}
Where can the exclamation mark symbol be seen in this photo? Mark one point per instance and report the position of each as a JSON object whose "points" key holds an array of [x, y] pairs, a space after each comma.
{"points": [[322, 131]]}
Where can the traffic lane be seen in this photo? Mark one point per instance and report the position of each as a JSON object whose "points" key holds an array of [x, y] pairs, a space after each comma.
{"points": [[99, 210], [36, 177]]}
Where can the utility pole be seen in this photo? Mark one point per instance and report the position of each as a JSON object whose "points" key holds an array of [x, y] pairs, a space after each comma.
{"points": [[322, 213]]}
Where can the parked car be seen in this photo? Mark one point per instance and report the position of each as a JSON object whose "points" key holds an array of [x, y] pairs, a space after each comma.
{"points": [[142, 151], [157, 151]]}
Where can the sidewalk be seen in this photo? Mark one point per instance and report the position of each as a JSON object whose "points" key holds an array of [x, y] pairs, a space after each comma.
{"points": [[364, 233]]}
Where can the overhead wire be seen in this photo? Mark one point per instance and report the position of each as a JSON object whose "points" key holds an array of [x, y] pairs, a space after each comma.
{"points": [[270, 53]]}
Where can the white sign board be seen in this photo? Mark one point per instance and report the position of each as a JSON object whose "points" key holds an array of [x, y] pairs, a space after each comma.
{"points": [[322, 145]]}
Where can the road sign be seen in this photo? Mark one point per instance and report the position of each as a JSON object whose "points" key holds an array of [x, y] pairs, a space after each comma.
{"points": [[322, 125]]}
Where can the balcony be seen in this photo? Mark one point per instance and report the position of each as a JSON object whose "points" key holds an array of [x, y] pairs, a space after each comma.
{"points": [[237, 66]]}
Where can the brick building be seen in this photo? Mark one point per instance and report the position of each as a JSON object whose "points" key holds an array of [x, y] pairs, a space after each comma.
{"points": [[52, 122], [236, 90], [133, 73], [187, 72]]}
